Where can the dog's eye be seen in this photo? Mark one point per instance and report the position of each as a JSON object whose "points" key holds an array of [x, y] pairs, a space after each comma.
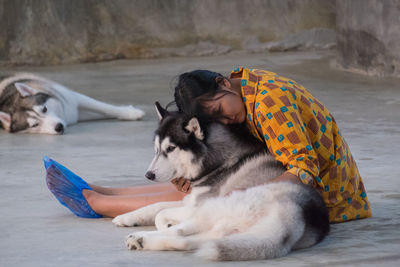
{"points": [[44, 110], [170, 149], [35, 125]]}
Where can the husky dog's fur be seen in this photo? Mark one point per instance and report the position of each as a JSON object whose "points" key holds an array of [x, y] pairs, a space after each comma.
{"points": [[32, 104], [232, 213]]}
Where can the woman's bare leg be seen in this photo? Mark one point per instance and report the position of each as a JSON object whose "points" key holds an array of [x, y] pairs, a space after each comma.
{"points": [[113, 205], [141, 189]]}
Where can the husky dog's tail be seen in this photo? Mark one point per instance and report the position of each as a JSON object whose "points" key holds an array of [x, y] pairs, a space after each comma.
{"points": [[241, 247]]}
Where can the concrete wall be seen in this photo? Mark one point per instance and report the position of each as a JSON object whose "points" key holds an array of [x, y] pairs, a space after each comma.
{"points": [[368, 36], [67, 31]]}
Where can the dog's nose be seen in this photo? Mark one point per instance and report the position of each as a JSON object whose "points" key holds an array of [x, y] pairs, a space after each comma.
{"points": [[150, 175], [59, 128]]}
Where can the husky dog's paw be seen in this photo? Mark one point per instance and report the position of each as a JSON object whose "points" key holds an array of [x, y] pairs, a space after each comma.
{"points": [[130, 113], [163, 223], [208, 251], [134, 241], [127, 220]]}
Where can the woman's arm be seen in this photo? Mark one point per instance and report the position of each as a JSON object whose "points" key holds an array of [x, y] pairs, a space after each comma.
{"points": [[183, 185], [286, 177]]}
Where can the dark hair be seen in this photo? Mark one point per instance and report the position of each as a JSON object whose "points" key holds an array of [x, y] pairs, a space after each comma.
{"points": [[195, 87]]}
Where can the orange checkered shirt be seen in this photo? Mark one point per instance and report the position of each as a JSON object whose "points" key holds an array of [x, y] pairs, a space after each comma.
{"points": [[302, 134]]}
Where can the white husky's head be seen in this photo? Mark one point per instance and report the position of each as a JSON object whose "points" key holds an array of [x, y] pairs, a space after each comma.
{"points": [[31, 111], [178, 145]]}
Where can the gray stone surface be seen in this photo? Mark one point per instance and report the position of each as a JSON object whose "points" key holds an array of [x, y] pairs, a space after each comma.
{"points": [[368, 36], [314, 39], [37, 231], [63, 31], [193, 50]]}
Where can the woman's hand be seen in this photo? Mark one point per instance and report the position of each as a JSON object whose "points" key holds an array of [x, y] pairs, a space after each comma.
{"points": [[182, 184]]}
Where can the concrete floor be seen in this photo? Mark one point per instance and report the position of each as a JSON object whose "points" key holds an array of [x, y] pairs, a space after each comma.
{"points": [[37, 231]]}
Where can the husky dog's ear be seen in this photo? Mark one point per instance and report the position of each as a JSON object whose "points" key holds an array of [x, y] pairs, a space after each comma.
{"points": [[25, 90], [161, 112], [193, 126], [5, 120]]}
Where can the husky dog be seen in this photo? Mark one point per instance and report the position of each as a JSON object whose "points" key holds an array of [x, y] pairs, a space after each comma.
{"points": [[232, 213], [32, 104]]}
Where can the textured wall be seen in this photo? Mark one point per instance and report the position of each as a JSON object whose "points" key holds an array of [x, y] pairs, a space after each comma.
{"points": [[66, 31], [368, 36]]}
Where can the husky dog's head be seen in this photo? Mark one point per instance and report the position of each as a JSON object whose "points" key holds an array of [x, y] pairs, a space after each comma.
{"points": [[178, 145], [25, 109]]}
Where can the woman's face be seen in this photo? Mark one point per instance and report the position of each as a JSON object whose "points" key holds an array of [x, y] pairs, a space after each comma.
{"points": [[228, 104]]}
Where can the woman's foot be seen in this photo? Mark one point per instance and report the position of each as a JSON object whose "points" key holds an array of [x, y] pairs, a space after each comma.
{"points": [[97, 201], [67, 187], [107, 205]]}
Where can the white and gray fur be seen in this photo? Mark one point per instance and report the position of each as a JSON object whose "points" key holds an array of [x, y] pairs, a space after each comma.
{"points": [[33, 104], [232, 213]]}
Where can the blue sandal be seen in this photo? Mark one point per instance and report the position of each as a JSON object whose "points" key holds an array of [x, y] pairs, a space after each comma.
{"points": [[67, 188]]}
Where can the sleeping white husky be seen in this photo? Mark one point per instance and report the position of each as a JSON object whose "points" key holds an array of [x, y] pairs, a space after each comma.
{"points": [[32, 104], [232, 213]]}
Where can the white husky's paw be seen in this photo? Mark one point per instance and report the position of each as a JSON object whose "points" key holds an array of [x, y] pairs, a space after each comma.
{"points": [[130, 113], [163, 223], [127, 220], [208, 251], [135, 241]]}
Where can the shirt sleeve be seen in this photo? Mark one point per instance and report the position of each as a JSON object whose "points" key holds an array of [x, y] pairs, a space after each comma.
{"points": [[287, 139], [304, 176]]}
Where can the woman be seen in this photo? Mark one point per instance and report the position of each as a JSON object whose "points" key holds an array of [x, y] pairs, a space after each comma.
{"points": [[295, 126]]}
